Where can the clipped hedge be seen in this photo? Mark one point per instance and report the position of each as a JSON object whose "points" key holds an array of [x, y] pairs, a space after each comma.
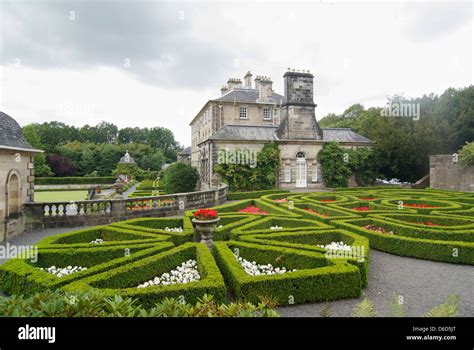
{"points": [[157, 226], [23, 276], [75, 180], [111, 235], [310, 240], [264, 225], [232, 196], [124, 279], [458, 252], [272, 209], [316, 278]]}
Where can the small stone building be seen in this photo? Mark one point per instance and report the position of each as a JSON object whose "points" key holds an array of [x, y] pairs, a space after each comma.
{"points": [[247, 117], [126, 162], [16, 177], [184, 156]]}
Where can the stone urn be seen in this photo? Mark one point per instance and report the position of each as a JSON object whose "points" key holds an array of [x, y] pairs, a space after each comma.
{"points": [[203, 230]]}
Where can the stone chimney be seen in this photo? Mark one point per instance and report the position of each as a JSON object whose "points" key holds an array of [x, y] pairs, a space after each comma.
{"points": [[224, 90], [265, 89], [233, 83], [257, 82], [248, 80], [298, 112]]}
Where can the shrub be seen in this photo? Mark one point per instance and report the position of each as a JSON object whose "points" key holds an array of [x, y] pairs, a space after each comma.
{"points": [[179, 178], [88, 180], [466, 154], [95, 304]]}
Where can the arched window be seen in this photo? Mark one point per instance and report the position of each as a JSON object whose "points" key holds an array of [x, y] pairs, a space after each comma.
{"points": [[300, 155], [13, 196]]}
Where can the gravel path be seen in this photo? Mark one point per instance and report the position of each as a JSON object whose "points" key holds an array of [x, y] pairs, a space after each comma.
{"points": [[423, 284], [30, 238]]}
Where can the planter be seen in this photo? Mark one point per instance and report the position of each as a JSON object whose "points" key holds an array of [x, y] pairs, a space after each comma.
{"points": [[203, 230]]}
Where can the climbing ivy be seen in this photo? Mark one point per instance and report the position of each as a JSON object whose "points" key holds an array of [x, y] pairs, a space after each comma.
{"points": [[259, 174]]}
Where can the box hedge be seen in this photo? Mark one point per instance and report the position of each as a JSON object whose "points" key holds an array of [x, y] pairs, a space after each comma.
{"points": [[310, 240], [23, 276], [232, 196], [111, 235], [460, 252], [316, 278], [75, 180], [124, 280], [158, 226]]}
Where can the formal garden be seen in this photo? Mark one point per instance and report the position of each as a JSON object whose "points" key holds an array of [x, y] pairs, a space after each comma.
{"points": [[277, 248]]}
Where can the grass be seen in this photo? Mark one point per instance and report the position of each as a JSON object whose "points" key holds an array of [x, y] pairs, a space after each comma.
{"points": [[60, 196]]}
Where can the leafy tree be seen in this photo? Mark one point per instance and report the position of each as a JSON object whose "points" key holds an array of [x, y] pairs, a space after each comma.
{"points": [[61, 166], [179, 177], [41, 166], [466, 154]]}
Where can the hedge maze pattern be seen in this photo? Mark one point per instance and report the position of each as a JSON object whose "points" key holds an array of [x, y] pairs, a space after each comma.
{"points": [[280, 228]]}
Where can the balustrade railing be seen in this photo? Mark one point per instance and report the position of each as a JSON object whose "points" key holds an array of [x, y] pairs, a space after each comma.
{"points": [[109, 210]]}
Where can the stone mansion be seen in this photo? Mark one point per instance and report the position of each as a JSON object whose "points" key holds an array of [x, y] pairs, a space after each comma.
{"points": [[245, 117]]}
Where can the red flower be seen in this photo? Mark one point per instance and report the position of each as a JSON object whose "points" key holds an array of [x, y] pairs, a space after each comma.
{"points": [[361, 208], [205, 214], [327, 200], [415, 205], [252, 209]]}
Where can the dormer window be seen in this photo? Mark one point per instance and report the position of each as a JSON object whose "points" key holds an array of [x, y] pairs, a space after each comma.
{"points": [[243, 113]]}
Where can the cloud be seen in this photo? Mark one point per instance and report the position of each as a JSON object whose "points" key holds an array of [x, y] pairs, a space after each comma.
{"points": [[430, 21], [153, 41]]}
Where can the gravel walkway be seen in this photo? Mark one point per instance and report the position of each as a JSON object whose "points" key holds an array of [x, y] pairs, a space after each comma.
{"points": [[423, 284]]}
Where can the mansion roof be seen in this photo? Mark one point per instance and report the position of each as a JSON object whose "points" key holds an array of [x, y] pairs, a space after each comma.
{"points": [[268, 133], [249, 96], [11, 136]]}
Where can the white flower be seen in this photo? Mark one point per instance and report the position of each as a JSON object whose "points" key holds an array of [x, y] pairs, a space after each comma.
{"points": [[185, 273], [254, 269], [336, 246]]}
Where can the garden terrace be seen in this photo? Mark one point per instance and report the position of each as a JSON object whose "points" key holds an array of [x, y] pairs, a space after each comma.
{"points": [[99, 212], [322, 241]]}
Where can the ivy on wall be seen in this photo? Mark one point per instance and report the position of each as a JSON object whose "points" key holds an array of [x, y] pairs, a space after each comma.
{"points": [[247, 174], [338, 164]]}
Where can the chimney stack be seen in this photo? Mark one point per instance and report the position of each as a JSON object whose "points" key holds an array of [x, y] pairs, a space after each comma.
{"points": [[224, 90], [248, 80], [233, 83], [264, 89]]}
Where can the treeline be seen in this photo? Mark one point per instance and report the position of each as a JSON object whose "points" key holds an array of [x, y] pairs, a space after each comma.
{"points": [[95, 150], [403, 143]]}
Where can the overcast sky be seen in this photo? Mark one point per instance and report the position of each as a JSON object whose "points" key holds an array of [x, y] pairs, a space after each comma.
{"points": [[153, 63]]}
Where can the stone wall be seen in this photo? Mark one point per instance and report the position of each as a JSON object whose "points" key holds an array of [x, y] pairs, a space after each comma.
{"points": [[14, 166], [445, 174]]}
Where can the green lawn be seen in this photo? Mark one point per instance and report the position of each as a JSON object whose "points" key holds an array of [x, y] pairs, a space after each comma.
{"points": [[58, 196]]}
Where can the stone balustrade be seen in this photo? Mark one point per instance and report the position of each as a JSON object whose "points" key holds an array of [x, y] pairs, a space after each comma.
{"points": [[101, 212]]}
